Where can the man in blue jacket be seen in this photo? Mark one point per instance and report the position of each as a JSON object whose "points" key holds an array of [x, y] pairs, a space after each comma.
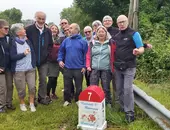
{"points": [[72, 57]]}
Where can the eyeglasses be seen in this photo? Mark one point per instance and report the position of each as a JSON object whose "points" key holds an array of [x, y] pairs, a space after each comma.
{"points": [[87, 32], [41, 18], [66, 30], [121, 22], [63, 23]]}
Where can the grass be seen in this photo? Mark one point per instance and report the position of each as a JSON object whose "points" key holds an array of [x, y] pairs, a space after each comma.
{"points": [[57, 117], [161, 92]]}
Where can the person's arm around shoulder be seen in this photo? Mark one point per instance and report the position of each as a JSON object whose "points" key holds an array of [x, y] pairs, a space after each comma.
{"points": [[139, 44]]}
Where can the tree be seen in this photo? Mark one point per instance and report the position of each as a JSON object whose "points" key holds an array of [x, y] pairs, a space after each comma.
{"points": [[97, 9], [11, 15], [28, 22]]}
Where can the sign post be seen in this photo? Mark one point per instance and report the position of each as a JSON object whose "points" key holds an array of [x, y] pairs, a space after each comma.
{"points": [[92, 114]]}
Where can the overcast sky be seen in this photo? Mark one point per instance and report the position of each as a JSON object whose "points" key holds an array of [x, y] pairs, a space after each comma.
{"points": [[28, 8]]}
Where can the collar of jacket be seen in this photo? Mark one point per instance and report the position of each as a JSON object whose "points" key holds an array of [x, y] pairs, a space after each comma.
{"points": [[76, 36], [44, 30]]}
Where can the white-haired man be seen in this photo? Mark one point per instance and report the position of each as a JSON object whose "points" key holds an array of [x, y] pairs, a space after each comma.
{"points": [[107, 23], [128, 45], [41, 38], [89, 38]]}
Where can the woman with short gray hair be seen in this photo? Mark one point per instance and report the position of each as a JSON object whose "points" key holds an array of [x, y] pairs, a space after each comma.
{"points": [[23, 65], [95, 25]]}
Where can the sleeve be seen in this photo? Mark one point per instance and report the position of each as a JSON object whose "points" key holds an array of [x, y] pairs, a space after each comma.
{"points": [[28, 32], [138, 40], [13, 53], [88, 57], [50, 44], [85, 49], [2, 58], [61, 53]]}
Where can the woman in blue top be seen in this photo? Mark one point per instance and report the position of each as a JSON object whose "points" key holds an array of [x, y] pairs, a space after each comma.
{"points": [[23, 65]]}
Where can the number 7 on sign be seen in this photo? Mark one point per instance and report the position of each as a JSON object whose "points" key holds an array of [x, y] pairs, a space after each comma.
{"points": [[90, 94]]}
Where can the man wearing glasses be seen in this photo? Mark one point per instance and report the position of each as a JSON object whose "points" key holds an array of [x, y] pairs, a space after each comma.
{"points": [[63, 24], [89, 38], [6, 87], [41, 38], [128, 46]]}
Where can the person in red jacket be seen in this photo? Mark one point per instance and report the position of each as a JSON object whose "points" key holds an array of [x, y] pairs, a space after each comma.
{"points": [[53, 66]]}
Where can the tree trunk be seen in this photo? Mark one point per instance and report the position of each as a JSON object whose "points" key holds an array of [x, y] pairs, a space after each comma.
{"points": [[130, 15], [135, 14]]}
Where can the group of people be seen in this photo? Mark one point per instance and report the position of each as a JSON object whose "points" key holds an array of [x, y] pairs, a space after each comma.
{"points": [[106, 53]]}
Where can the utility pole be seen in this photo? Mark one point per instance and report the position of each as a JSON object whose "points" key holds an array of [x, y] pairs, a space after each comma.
{"points": [[133, 14]]}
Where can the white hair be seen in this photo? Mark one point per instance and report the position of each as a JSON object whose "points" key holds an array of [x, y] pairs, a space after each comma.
{"points": [[88, 27], [96, 22], [16, 28], [107, 17]]}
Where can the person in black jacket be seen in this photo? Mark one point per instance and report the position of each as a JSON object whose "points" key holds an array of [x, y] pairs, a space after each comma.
{"points": [[4, 61], [41, 38]]}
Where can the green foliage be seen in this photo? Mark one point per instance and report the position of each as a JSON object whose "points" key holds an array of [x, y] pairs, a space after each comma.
{"points": [[97, 9], [154, 65], [11, 15]]}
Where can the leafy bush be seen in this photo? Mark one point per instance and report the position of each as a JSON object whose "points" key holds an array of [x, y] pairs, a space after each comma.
{"points": [[154, 64]]}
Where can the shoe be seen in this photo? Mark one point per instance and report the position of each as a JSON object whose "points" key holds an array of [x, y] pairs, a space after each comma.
{"points": [[66, 103], [10, 106], [48, 99], [23, 107], [32, 107], [130, 118], [121, 110], [54, 96], [77, 103], [43, 102], [2, 110]]}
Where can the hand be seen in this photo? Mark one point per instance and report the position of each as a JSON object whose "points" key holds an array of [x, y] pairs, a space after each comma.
{"points": [[83, 70], [27, 51], [61, 64], [149, 46], [1, 70], [89, 68], [136, 51]]}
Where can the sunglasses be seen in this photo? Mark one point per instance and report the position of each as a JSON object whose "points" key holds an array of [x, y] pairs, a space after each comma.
{"points": [[87, 32], [66, 30], [63, 23], [6, 28]]}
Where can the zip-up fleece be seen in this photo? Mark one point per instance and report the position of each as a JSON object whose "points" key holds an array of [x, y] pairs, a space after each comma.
{"points": [[96, 59], [73, 50]]}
